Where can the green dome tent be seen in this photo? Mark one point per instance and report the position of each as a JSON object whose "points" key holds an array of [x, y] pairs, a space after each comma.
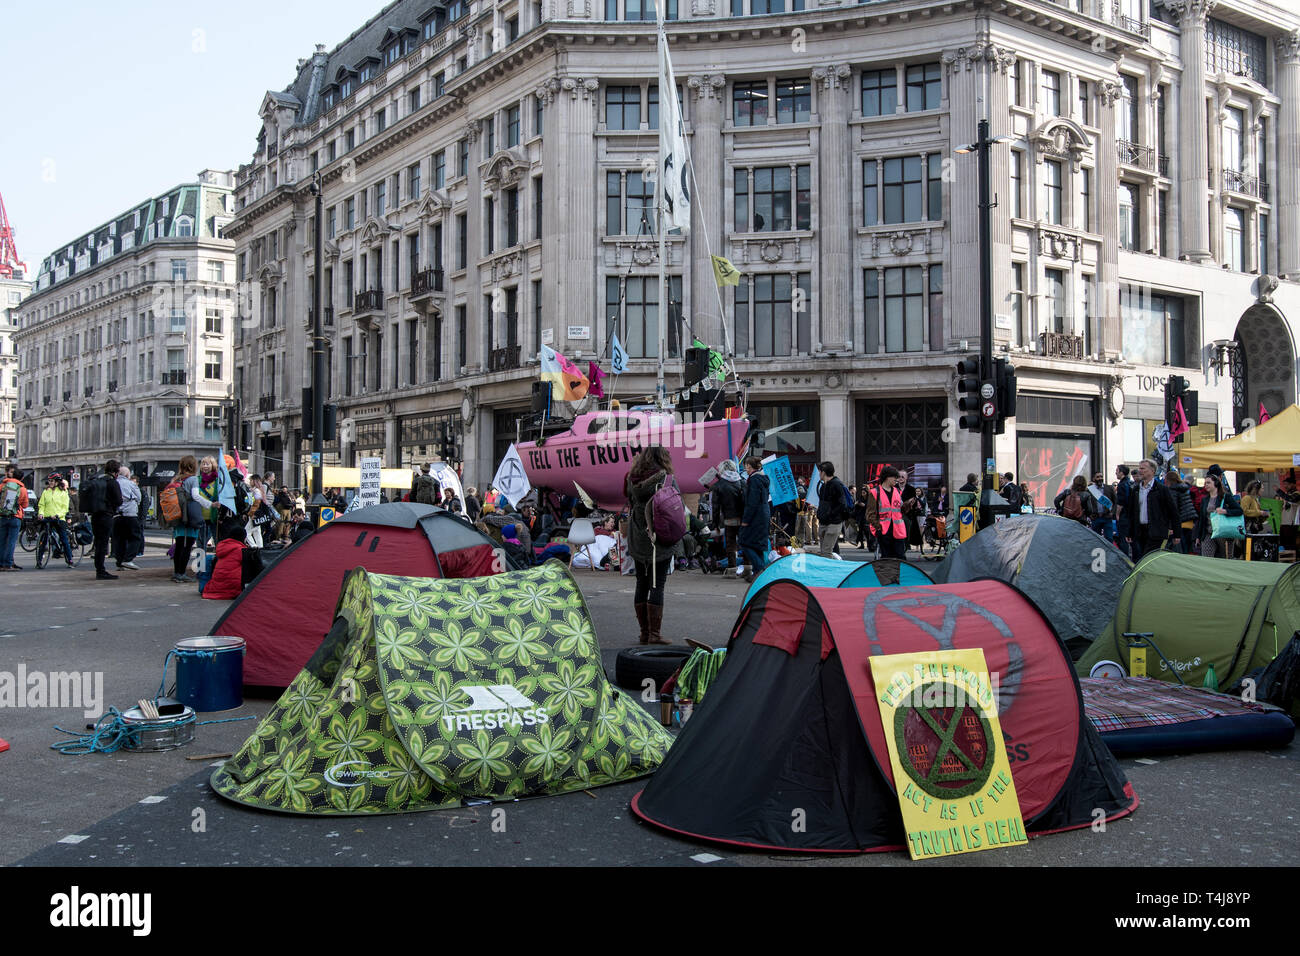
{"points": [[428, 692], [1233, 615], [1073, 574]]}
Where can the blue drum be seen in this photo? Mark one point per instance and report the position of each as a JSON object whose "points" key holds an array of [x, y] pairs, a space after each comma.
{"points": [[210, 673]]}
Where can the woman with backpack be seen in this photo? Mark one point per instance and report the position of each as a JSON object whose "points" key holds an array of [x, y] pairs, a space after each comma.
{"points": [[651, 469], [1219, 501], [187, 530], [1077, 503]]}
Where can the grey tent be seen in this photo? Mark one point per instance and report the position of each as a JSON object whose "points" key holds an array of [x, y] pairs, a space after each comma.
{"points": [[1068, 570]]}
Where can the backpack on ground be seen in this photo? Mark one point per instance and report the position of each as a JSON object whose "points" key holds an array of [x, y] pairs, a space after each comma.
{"points": [[1073, 507], [169, 504], [425, 491], [666, 514], [10, 492]]}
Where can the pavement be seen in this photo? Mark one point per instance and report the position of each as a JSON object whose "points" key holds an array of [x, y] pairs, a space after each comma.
{"points": [[1233, 809]]}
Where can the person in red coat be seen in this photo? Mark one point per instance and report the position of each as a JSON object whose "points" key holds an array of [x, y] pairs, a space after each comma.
{"points": [[227, 579]]}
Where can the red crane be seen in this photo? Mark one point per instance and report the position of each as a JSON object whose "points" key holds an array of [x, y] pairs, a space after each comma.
{"points": [[10, 264]]}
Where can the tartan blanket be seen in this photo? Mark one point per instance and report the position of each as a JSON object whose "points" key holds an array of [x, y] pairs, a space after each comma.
{"points": [[1146, 702]]}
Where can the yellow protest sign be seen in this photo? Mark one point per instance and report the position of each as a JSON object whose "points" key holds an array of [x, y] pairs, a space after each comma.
{"points": [[947, 752]]}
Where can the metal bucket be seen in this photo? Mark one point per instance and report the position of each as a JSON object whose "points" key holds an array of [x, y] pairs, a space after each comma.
{"points": [[150, 734], [210, 673]]}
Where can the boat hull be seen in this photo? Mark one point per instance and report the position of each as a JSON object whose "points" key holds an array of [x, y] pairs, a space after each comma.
{"points": [[597, 452]]}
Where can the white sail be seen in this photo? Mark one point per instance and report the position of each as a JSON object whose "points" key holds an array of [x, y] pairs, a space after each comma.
{"points": [[673, 170]]}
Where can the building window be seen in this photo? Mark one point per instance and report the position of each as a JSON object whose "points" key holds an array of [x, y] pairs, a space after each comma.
{"points": [[622, 107], [489, 223], [1053, 172], [462, 337], [638, 10], [758, 8], [1154, 327], [440, 83], [439, 169], [462, 158], [462, 242], [179, 272], [349, 140], [381, 121], [879, 92], [1126, 112], [490, 135], [512, 126], [1234, 153], [766, 310], [175, 422], [634, 315], [870, 193], [1235, 51], [537, 115], [212, 423], [350, 213], [1085, 200], [1013, 84], [1051, 93], [381, 198], [177, 323], [1263, 243], [629, 204], [767, 191], [216, 271], [330, 226], [924, 84], [347, 365], [1056, 303], [1234, 224], [1162, 222], [413, 181], [1130, 236], [413, 100], [903, 313], [512, 217], [537, 207], [212, 321], [1019, 333], [1084, 112], [1017, 185], [749, 103], [793, 101]]}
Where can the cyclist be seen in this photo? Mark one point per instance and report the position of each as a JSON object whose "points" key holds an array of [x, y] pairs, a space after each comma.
{"points": [[13, 502], [53, 511]]}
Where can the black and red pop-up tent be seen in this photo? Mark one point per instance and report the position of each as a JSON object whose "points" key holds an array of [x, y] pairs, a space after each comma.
{"points": [[791, 721], [285, 614]]}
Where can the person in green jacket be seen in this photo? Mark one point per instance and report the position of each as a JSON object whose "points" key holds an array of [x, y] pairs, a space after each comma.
{"points": [[53, 510]]}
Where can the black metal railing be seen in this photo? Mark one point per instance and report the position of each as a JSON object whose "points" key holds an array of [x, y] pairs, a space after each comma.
{"points": [[45, 399], [426, 282], [112, 386], [88, 391], [29, 403], [67, 396], [174, 377], [370, 301], [1061, 345], [1163, 162], [1131, 25], [1236, 181], [266, 403], [328, 317], [1135, 154], [504, 359]]}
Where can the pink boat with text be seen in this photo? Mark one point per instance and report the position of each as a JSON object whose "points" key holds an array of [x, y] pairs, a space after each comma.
{"points": [[597, 451]]}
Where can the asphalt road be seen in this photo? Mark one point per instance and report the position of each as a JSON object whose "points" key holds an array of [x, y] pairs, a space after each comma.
{"points": [[1226, 809]]}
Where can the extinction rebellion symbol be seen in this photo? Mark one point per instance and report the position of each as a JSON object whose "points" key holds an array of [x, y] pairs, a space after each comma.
{"points": [[943, 741]]}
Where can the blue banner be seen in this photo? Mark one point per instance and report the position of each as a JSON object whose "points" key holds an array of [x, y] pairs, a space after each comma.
{"points": [[782, 478]]}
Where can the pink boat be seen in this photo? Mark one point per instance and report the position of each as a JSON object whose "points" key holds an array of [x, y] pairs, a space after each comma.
{"points": [[597, 451]]}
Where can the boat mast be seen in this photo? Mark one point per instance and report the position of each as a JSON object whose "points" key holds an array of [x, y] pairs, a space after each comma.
{"points": [[661, 392]]}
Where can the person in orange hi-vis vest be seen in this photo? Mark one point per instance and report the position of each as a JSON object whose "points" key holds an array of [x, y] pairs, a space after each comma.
{"points": [[885, 514]]}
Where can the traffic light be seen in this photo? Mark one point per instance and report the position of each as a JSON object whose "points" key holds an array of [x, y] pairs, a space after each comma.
{"points": [[1176, 387], [331, 423], [968, 387], [1004, 393]]}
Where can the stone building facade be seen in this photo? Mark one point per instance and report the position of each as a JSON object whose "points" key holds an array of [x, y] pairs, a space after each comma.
{"points": [[12, 292], [484, 168], [125, 343]]}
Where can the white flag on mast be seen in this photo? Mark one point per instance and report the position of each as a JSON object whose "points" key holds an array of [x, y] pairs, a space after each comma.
{"points": [[673, 171]]}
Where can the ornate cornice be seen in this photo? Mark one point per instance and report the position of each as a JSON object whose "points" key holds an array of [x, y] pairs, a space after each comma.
{"points": [[708, 86], [832, 77], [983, 52], [1063, 138], [547, 92], [1110, 91], [584, 86]]}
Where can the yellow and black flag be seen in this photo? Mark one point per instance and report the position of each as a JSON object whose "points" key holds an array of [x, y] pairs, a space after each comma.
{"points": [[724, 272]]}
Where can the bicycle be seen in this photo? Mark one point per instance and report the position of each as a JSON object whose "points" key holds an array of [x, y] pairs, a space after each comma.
{"points": [[49, 545], [30, 531], [934, 538]]}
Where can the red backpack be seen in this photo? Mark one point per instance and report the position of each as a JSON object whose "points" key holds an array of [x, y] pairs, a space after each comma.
{"points": [[1073, 507], [169, 503], [666, 514]]}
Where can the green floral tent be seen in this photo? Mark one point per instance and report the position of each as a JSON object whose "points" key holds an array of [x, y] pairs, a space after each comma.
{"points": [[429, 692]]}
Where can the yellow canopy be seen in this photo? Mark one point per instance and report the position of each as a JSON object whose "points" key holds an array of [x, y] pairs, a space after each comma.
{"points": [[1268, 447], [337, 477]]}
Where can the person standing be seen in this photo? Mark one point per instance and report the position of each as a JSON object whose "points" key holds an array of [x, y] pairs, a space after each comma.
{"points": [[1152, 514], [1076, 503], [100, 498], [1105, 499], [912, 506], [729, 509], [831, 508], [53, 511], [124, 521], [885, 515], [1123, 494], [1183, 507], [1219, 500], [472, 506], [1256, 519], [1290, 498], [860, 514], [755, 523], [256, 515], [652, 467], [13, 502], [1010, 492], [970, 485], [186, 531]]}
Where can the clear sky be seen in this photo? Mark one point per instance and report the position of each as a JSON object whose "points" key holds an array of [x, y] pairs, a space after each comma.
{"points": [[110, 102]]}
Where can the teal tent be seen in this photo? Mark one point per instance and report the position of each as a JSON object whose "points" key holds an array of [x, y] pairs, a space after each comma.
{"points": [[814, 571]]}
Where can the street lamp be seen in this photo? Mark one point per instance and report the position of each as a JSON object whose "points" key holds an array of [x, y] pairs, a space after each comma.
{"points": [[982, 147], [318, 360]]}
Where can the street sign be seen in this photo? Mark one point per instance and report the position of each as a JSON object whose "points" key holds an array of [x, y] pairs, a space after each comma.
{"points": [[988, 410], [315, 459], [326, 516], [986, 390]]}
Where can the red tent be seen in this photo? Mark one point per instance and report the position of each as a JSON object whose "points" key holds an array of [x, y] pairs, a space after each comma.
{"points": [[284, 615], [791, 721]]}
